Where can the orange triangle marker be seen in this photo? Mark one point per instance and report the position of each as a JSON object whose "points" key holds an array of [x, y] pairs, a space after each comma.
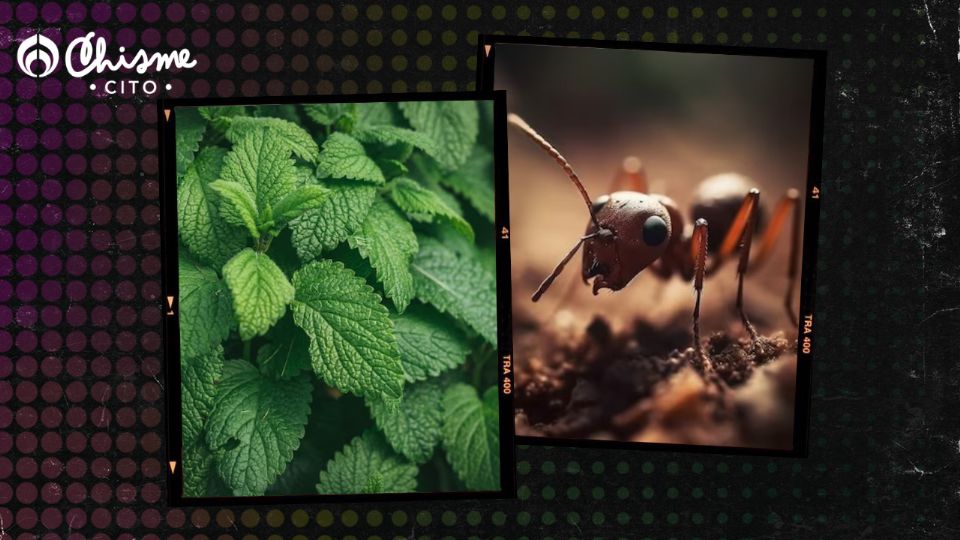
{"points": [[173, 466], [486, 49], [170, 301], [166, 113]]}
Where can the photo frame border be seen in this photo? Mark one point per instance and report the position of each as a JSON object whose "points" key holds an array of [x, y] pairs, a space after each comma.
{"points": [[486, 56], [170, 285]]}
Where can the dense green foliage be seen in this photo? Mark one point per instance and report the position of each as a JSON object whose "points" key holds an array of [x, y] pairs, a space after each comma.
{"points": [[337, 298]]}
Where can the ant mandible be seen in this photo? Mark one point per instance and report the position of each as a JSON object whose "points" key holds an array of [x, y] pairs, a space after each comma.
{"points": [[630, 229]]}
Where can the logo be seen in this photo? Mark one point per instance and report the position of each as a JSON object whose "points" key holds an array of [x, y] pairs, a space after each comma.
{"points": [[38, 56], [38, 49]]}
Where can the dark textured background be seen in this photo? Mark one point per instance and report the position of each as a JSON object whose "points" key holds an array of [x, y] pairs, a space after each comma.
{"points": [[81, 391]]}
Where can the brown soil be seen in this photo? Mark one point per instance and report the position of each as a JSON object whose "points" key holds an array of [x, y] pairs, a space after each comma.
{"points": [[635, 385]]}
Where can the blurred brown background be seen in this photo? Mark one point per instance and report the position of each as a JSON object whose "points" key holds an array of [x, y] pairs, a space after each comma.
{"points": [[687, 116]]}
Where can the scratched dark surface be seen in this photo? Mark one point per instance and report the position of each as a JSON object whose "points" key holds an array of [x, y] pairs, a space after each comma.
{"points": [[81, 387]]}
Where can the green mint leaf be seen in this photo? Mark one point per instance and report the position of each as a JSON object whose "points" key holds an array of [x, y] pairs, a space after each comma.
{"points": [[374, 483], [198, 469], [282, 252], [448, 198], [355, 262], [458, 284], [399, 152], [333, 423], [255, 426], [352, 344], [283, 360], [295, 204], [429, 174], [474, 181], [260, 291], [237, 206], [423, 205], [387, 240], [372, 114], [190, 128], [451, 125], [287, 354], [471, 435], [199, 376], [213, 112], [326, 113], [413, 427], [198, 218], [206, 311], [487, 257], [346, 123], [458, 243], [338, 216], [344, 157], [365, 463], [295, 137], [393, 135], [220, 116], [486, 136], [261, 162], [306, 176], [285, 111], [392, 168], [429, 342]]}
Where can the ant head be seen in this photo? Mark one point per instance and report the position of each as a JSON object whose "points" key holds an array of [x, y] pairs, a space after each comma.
{"points": [[627, 230], [634, 230]]}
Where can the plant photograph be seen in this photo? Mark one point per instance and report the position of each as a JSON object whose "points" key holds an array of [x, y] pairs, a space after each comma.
{"points": [[337, 300]]}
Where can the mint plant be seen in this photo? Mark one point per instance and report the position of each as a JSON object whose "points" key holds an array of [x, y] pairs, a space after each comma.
{"points": [[337, 300]]}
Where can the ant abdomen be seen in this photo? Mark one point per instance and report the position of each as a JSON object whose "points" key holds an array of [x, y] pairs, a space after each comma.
{"points": [[718, 199]]}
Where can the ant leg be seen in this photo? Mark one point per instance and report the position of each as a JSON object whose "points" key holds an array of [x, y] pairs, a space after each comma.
{"points": [[630, 176], [787, 204], [735, 233], [740, 234], [698, 244], [746, 240]]}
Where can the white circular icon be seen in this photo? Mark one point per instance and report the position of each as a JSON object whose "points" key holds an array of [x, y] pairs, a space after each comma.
{"points": [[38, 51]]}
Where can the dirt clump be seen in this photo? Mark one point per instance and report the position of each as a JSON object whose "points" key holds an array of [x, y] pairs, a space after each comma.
{"points": [[635, 384]]}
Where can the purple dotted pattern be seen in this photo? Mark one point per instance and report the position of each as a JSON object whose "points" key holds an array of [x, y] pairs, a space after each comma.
{"points": [[81, 396]]}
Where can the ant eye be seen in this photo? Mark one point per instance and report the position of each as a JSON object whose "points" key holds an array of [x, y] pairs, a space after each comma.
{"points": [[654, 231]]}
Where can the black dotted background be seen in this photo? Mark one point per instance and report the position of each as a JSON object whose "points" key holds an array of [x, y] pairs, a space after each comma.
{"points": [[81, 390]]}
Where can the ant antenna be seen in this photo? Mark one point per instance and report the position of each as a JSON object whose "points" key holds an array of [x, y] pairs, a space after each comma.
{"points": [[559, 268], [537, 138]]}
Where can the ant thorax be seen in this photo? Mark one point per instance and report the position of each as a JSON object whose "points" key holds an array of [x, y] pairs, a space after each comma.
{"points": [[717, 200]]}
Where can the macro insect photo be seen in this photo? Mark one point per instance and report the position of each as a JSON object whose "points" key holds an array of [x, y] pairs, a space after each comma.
{"points": [[656, 242], [337, 300]]}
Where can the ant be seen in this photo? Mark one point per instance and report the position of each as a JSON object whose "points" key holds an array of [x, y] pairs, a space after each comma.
{"points": [[630, 230]]}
